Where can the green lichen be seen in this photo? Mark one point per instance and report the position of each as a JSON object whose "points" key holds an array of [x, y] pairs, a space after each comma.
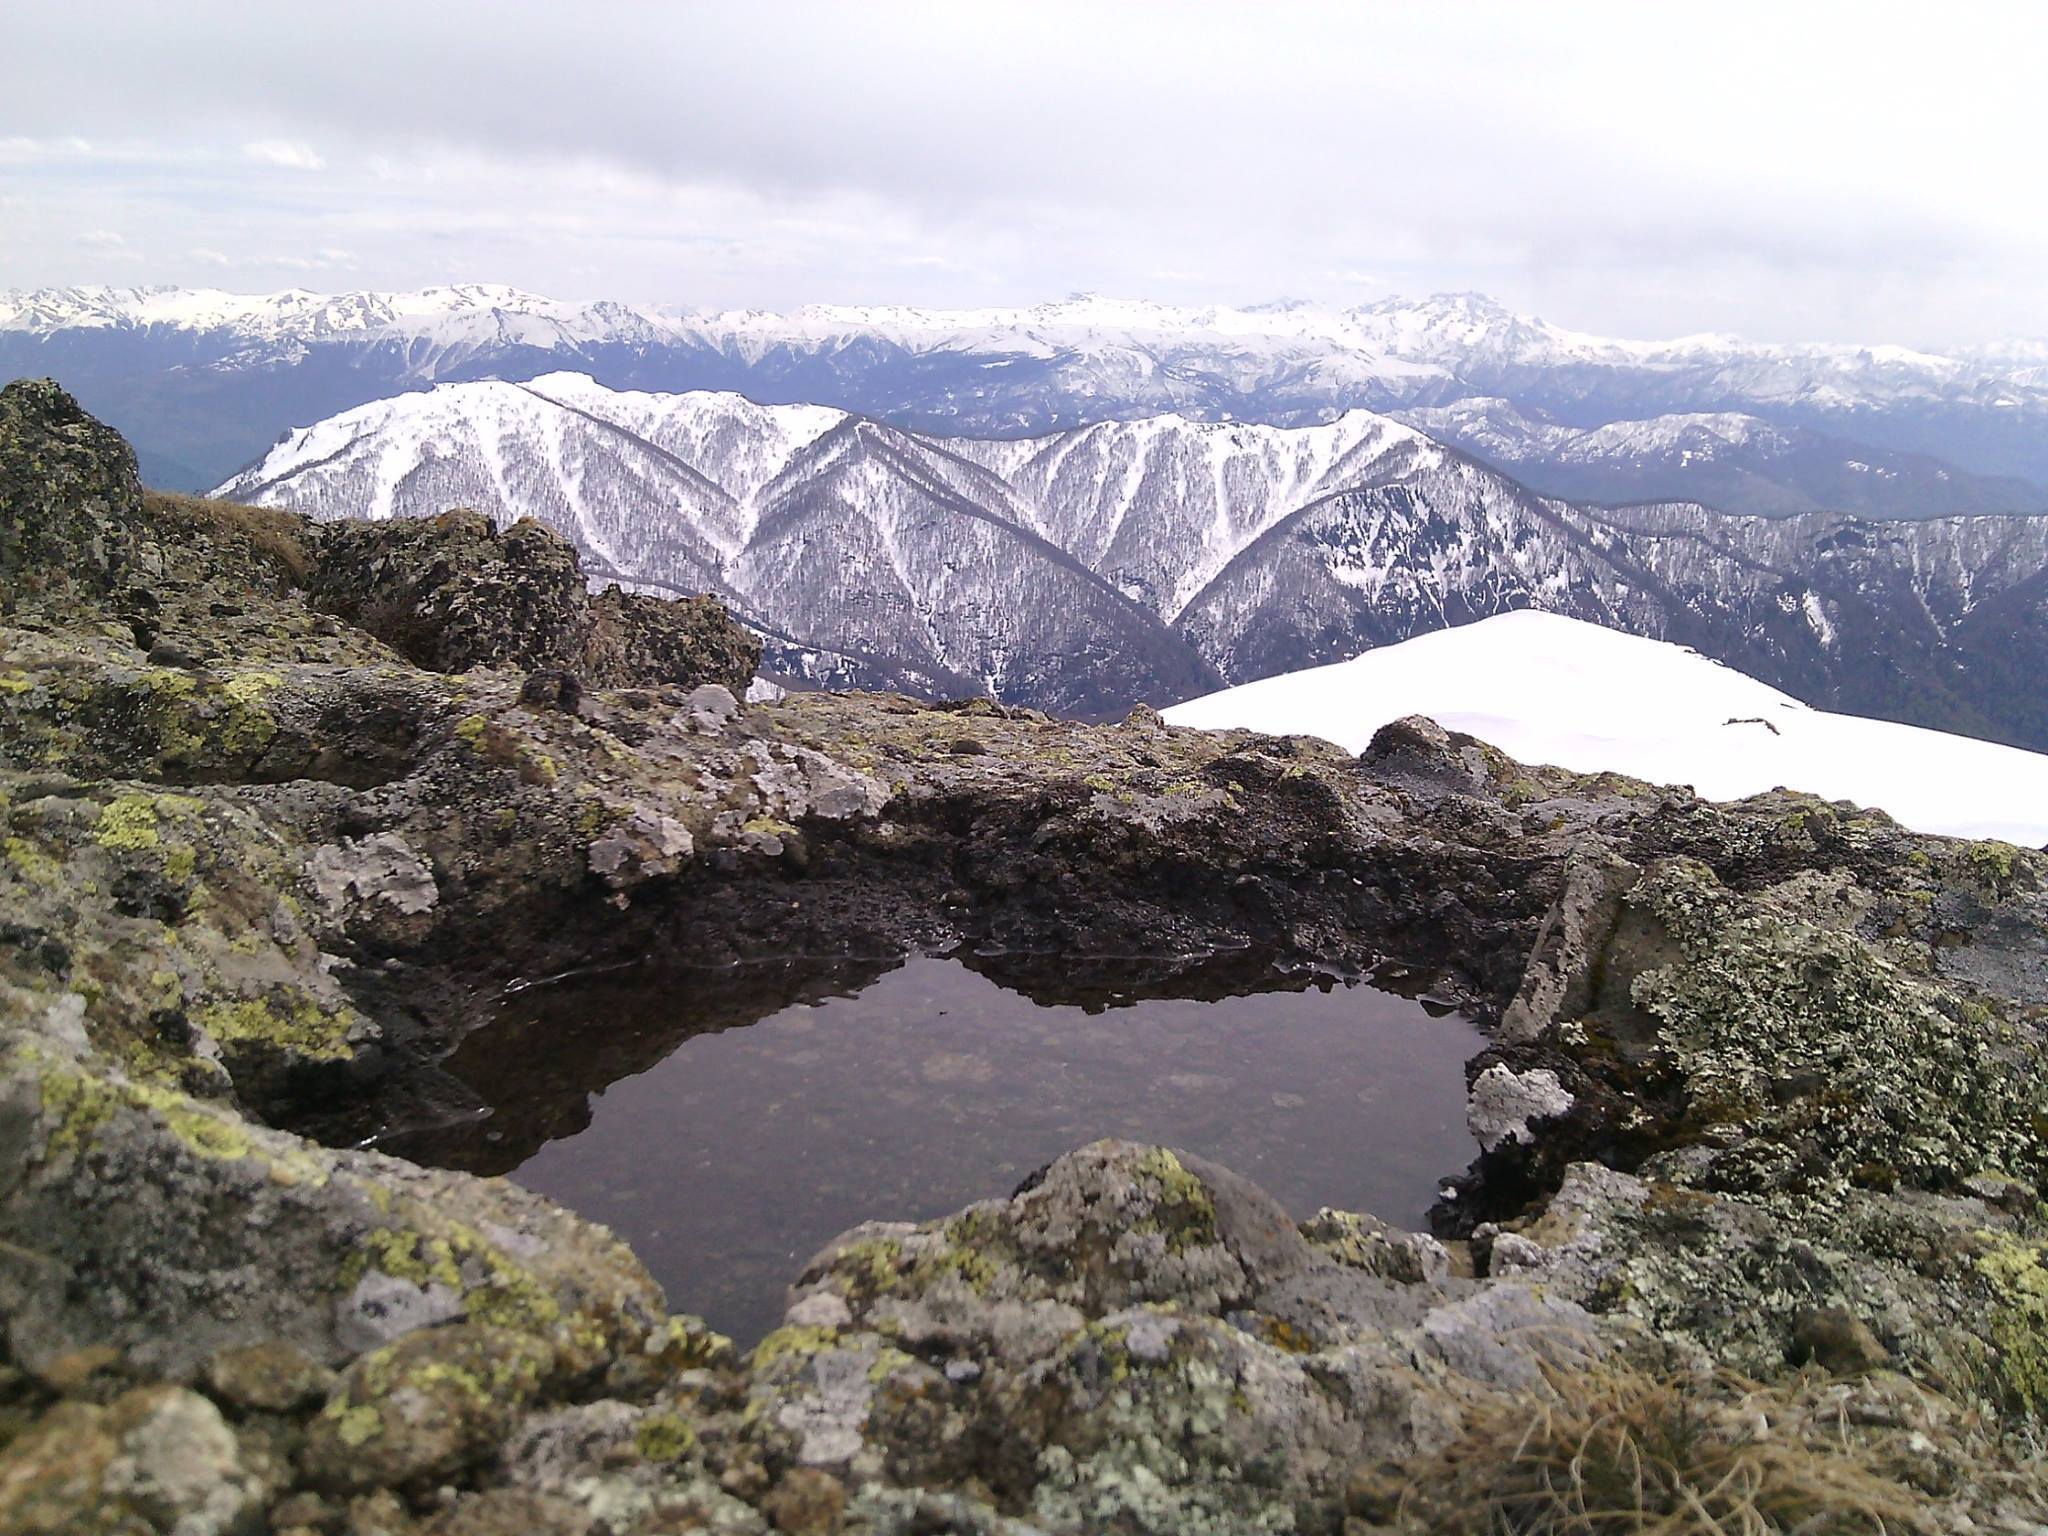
{"points": [[470, 729], [494, 1289], [298, 1025], [888, 1361], [30, 862], [404, 1255], [74, 1106], [1824, 1052], [180, 860], [248, 688], [1186, 1213], [15, 683], [128, 824], [664, 1437], [873, 1264], [686, 1343], [355, 1425], [797, 1342], [2017, 1325], [1992, 863]]}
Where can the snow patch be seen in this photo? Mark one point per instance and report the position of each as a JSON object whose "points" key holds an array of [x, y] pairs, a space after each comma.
{"points": [[1548, 689]]}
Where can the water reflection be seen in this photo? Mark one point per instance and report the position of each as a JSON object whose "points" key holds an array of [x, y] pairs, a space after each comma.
{"points": [[727, 1155]]}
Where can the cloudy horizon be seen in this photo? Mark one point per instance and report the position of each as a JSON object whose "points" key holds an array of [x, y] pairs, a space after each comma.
{"points": [[1836, 173]]}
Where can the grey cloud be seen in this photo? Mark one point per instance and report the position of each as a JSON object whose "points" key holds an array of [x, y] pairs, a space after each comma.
{"points": [[1752, 168]]}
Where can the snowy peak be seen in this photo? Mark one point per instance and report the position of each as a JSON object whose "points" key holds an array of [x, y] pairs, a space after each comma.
{"points": [[1157, 506], [1089, 568], [1033, 370]]}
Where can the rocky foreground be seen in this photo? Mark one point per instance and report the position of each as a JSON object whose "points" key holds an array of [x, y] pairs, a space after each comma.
{"points": [[1756, 1244]]}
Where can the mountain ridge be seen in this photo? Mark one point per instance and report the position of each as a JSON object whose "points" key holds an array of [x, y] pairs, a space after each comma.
{"points": [[1130, 562], [205, 379]]}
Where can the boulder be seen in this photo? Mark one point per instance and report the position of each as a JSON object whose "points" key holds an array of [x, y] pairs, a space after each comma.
{"points": [[70, 502], [453, 593]]}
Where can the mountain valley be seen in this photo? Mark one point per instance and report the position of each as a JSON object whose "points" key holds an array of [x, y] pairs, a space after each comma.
{"points": [[1154, 560]]}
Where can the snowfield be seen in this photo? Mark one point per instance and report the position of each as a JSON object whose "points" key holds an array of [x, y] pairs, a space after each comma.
{"points": [[1549, 689]]}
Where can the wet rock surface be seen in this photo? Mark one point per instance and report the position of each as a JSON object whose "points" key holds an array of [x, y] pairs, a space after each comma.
{"points": [[1764, 1096]]}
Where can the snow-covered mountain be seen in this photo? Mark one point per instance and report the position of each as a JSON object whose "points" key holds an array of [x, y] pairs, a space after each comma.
{"points": [[1549, 689], [1721, 458], [1151, 560], [202, 380]]}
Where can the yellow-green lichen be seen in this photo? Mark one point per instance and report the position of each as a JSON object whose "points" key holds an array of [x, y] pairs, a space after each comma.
{"points": [[354, 1424], [300, 1026], [403, 1255], [1992, 862], [128, 824], [74, 1106], [798, 1341], [663, 1437], [2018, 1321], [493, 1288], [29, 862], [251, 687], [1180, 1193], [470, 729]]}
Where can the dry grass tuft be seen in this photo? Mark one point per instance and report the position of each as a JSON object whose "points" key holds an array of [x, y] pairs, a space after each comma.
{"points": [[1617, 1453], [274, 537]]}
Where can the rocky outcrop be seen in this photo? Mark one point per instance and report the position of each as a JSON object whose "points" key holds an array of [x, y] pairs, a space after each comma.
{"points": [[452, 593], [70, 502], [1763, 1099]]}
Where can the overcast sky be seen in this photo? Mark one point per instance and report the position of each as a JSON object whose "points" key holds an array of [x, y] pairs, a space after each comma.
{"points": [[1787, 171]]}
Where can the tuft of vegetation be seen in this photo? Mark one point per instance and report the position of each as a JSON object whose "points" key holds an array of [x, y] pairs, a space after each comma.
{"points": [[276, 538], [1622, 1453]]}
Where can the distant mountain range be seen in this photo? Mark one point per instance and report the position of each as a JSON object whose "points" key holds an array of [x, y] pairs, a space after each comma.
{"points": [[1156, 559], [203, 382]]}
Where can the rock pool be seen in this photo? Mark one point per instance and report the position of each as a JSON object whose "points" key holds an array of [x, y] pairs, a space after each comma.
{"points": [[728, 1123]]}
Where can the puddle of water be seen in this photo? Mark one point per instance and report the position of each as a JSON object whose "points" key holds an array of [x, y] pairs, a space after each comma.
{"points": [[728, 1155]]}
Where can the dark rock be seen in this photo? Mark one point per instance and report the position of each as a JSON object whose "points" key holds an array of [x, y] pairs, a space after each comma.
{"points": [[641, 641], [1838, 1341], [271, 1377], [452, 593], [425, 1407], [70, 502], [806, 1502], [551, 688], [169, 654], [510, 1512]]}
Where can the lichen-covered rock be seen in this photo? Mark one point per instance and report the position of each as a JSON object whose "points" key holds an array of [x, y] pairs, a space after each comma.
{"points": [[424, 1407], [330, 1252], [267, 1377], [637, 641], [70, 502], [157, 1459], [452, 593]]}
